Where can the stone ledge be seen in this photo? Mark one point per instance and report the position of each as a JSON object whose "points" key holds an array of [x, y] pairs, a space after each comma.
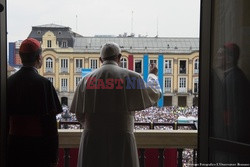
{"points": [[144, 138]]}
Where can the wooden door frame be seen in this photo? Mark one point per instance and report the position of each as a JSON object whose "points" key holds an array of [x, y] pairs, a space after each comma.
{"points": [[3, 78]]}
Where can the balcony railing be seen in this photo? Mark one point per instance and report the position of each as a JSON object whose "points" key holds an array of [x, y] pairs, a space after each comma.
{"points": [[182, 90], [150, 125], [196, 71], [167, 89], [168, 71], [145, 139], [182, 71], [78, 69], [64, 89], [64, 70], [49, 70]]}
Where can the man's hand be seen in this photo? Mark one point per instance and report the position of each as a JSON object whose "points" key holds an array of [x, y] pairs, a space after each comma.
{"points": [[153, 69]]}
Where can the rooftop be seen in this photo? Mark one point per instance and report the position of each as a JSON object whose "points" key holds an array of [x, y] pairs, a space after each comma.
{"points": [[130, 44], [52, 25], [139, 44]]}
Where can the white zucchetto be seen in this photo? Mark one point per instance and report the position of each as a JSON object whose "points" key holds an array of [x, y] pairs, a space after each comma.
{"points": [[110, 49]]}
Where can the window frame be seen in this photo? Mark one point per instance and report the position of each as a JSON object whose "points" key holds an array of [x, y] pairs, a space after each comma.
{"points": [[49, 43], [122, 65], [179, 82], [61, 63], [75, 81], [97, 63], [3, 79], [165, 83], [206, 142], [179, 63], [196, 62], [139, 59], [194, 82], [61, 84], [171, 69], [51, 64], [64, 44], [76, 69]]}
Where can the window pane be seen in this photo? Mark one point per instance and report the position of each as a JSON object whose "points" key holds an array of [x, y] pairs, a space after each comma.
{"points": [[230, 74], [79, 65], [182, 67], [123, 63], [182, 85], [168, 66], [168, 84], [138, 66], [64, 65], [49, 43], [93, 64], [196, 66], [49, 65], [64, 84], [78, 79]]}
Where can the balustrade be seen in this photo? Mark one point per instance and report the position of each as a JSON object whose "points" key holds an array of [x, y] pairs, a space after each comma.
{"points": [[145, 139]]}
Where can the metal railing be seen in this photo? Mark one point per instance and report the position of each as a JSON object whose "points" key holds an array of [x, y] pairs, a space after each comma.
{"points": [[64, 89], [64, 70], [182, 90], [196, 71], [78, 69], [168, 71], [150, 125], [49, 70]]}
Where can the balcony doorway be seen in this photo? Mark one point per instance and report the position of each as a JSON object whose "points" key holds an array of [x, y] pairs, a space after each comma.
{"points": [[64, 101], [182, 101], [168, 100]]}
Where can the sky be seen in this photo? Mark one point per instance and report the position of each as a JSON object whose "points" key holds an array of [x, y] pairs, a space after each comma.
{"points": [[167, 18]]}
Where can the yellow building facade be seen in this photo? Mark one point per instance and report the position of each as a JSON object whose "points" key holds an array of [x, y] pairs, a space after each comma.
{"points": [[179, 63]]}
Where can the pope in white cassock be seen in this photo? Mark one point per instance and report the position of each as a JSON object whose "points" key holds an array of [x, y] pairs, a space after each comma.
{"points": [[104, 103]]}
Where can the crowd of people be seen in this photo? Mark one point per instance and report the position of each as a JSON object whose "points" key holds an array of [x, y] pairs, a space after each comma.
{"points": [[165, 114], [170, 114]]}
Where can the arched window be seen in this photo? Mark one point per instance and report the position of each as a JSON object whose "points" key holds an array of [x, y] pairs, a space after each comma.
{"points": [[123, 63], [49, 65], [196, 66]]}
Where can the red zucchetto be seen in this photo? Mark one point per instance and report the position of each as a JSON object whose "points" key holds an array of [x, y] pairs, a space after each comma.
{"points": [[29, 45]]}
